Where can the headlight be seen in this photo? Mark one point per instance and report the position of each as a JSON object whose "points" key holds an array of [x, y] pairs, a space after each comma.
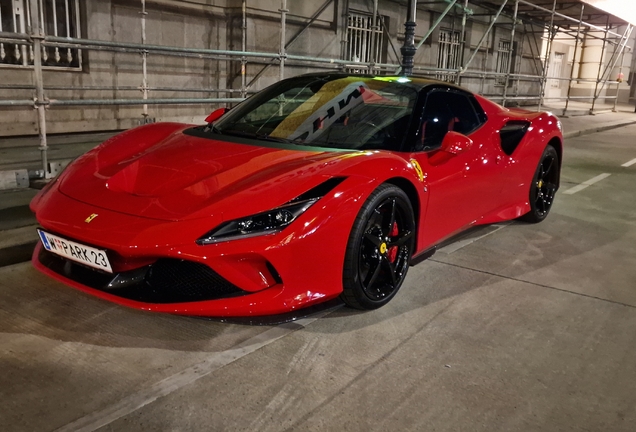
{"points": [[268, 222]]}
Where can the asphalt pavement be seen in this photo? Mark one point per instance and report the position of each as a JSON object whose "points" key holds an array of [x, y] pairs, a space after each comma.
{"points": [[516, 327]]}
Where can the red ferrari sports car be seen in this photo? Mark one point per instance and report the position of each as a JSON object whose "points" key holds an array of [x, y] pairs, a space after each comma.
{"points": [[320, 186]]}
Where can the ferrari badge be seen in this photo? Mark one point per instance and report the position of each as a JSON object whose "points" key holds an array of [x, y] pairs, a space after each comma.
{"points": [[90, 218], [418, 169]]}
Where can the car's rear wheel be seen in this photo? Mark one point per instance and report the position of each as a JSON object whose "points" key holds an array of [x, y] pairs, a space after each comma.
{"points": [[544, 186], [379, 249]]}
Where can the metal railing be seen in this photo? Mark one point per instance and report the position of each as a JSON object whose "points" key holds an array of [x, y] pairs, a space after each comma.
{"points": [[59, 17], [451, 64]]}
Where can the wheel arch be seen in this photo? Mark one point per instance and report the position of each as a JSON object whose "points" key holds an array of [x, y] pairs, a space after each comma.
{"points": [[558, 146], [411, 192]]}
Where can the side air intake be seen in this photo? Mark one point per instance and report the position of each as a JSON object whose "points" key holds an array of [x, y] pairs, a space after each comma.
{"points": [[512, 134]]}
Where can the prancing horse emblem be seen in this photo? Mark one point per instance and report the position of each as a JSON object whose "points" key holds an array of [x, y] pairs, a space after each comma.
{"points": [[90, 218]]}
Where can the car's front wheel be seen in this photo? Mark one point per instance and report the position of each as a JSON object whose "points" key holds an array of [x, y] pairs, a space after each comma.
{"points": [[379, 249], [544, 186]]}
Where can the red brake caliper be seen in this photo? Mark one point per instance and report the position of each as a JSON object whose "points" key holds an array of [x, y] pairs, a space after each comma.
{"points": [[393, 250]]}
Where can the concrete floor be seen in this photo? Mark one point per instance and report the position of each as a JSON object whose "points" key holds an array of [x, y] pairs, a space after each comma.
{"points": [[521, 328]]}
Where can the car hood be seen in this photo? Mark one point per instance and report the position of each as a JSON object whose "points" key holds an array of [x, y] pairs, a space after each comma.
{"points": [[168, 175]]}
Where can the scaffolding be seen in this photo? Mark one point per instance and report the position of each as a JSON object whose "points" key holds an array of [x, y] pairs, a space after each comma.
{"points": [[526, 22]]}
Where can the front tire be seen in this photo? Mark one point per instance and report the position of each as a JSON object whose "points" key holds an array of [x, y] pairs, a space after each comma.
{"points": [[544, 186], [379, 249]]}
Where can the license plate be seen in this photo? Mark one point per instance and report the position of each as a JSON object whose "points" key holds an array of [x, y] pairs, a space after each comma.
{"points": [[78, 252]]}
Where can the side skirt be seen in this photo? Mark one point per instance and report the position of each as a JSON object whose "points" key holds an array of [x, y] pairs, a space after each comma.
{"points": [[423, 256]]}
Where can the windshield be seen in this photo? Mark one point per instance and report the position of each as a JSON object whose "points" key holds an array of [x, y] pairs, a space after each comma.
{"points": [[341, 112]]}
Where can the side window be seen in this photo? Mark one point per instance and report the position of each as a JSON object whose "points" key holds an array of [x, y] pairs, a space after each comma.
{"points": [[445, 111]]}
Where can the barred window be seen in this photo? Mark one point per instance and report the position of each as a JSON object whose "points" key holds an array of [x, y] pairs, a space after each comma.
{"points": [[58, 18], [505, 60], [448, 53], [365, 43]]}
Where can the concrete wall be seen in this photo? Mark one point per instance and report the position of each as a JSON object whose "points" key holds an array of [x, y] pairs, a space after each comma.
{"points": [[119, 21], [216, 24]]}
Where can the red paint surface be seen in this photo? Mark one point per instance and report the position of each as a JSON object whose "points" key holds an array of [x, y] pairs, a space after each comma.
{"points": [[156, 191]]}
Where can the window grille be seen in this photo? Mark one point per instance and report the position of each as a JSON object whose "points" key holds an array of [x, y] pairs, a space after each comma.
{"points": [[504, 57], [57, 17], [557, 69], [448, 53], [362, 38]]}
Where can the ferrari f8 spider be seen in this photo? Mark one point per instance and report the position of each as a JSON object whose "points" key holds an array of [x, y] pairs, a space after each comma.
{"points": [[320, 186]]}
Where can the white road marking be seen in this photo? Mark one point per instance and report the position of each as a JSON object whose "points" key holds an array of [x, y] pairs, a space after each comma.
{"points": [[587, 183], [454, 247], [630, 163], [135, 401]]}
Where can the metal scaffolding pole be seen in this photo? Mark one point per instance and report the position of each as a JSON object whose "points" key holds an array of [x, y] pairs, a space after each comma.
{"points": [[554, 13], [283, 16], [621, 49], [144, 60], [512, 45], [536, 57], [37, 35], [616, 54], [576, 47], [120, 88], [600, 66], [462, 39], [374, 30], [344, 30], [102, 45], [171, 101], [519, 59], [243, 47], [619, 79], [40, 43], [436, 23], [484, 69], [388, 37], [483, 38], [292, 40], [546, 64]]}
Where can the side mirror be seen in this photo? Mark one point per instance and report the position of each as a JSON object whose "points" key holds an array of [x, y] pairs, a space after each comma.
{"points": [[455, 143], [215, 115]]}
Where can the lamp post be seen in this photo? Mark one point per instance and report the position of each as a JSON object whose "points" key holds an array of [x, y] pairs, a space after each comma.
{"points": [[408, 49]]}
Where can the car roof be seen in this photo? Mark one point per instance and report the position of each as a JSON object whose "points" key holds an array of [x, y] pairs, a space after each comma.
{"points": [[416, 82]]}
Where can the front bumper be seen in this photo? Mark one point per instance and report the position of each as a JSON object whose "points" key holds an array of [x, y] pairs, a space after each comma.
{"points": [[264, 275], [277, 299], [164, 281]]}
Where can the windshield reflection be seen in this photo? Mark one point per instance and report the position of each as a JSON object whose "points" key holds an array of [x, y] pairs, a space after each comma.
{"points": [[337, 112]]}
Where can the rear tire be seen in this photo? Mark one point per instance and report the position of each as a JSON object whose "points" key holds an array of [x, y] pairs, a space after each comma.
{"points": [[544, 186], [379, 250]]}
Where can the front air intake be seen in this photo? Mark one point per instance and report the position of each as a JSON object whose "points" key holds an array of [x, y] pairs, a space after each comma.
{"points": [[166, 281]]}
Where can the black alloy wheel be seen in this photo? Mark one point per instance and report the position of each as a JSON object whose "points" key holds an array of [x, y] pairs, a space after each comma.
{"points": [[379, 249], [544, 186]]}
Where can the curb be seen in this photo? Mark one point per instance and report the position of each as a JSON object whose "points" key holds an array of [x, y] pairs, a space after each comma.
{"points": [[16, 254], [597, 129], [17, 244]]}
